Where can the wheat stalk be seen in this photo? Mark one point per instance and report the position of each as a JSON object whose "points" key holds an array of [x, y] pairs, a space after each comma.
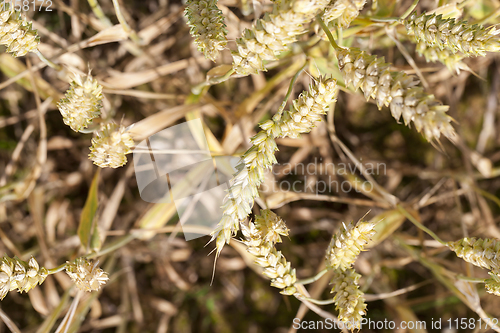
{"points": [[15, 32], [273, 34], [207, 26], [397, 90], [20, 275], [453, 35], [110, 146], [453, 61], [305, 111], [82, 102], [261, 237], [349, 300], [348, 243], [493, 284], [86, 275], [342, 12], [480, 252]]}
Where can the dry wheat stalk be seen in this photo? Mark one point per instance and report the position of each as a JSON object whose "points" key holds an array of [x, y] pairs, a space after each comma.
{"points": [[349, 300], [207, 26], [348, 243], [261, 237], [453, 35], [397, 90], [483, 253], [110, 145], [306, 110], [86, 275], [82, 102], [20, 275], [273, 34], [15, 32]]}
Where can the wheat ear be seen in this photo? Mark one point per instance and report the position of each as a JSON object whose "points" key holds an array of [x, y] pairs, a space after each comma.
{"points": [[305, 111], [453, 35], [273, 34], [20, 275], [348, 243], [349, 300], [110, 146], [397, 90], [82, 102], [207, 26], [260, 237], [15, 32]]}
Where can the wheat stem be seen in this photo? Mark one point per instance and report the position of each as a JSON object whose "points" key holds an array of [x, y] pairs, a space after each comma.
{"points": [[119, 15], [470, 279], [47, 61], [328, 34], [313, 278], [57, 269], [290, 88], [418, 224], [196, 90]]}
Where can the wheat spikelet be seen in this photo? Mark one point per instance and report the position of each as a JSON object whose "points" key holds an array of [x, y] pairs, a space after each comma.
{"points": [[207, 26], [110, 145], [349, 300], [342, 12], [480, 252], [493, 284], [397, 90], [453, 61], [453, 35], [305, 110], [273, 34], [260, 239], [16, 33], [86, 275], [82, 102], [348, 243], [20, 275]]}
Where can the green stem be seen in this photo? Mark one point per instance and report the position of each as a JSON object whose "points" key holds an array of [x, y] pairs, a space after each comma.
{"points": [[112, 247], [97, 9], [132, 34], [290, 88], [47, 61], [57, 269], [410, 9], [470, 279], [328, 33], [312, 279], [317, 301], [216, 80], [418, 224]]}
